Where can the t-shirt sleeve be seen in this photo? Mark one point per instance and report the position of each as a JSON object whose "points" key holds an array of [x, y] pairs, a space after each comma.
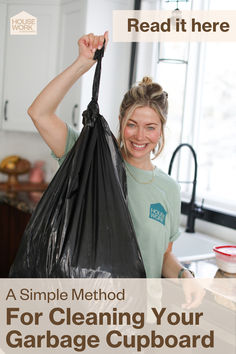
{"points": [[176, 209], [72, 136]]}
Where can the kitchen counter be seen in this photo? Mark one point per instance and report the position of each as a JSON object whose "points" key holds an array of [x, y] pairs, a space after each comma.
{"points": [[24, 201], [219, 284], [27, 201], [206, 268]]}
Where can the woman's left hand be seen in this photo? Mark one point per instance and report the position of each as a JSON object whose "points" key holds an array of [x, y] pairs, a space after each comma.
{"points": [[194, 293], [193, 290]]}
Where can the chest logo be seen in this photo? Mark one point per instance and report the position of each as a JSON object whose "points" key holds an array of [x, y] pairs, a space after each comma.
{"points": [[158, 213]]}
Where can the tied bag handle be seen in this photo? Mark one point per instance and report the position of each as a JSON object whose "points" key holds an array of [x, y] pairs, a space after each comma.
{"points": [[96, 81], [92, 111]]}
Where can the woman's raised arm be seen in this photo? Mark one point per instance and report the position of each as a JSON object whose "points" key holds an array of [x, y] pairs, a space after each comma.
{"points": [[42, 111]]}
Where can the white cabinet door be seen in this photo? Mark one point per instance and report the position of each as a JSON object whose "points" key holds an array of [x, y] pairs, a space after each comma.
{"points": [[3, 11], [72, 28], [30, 62]]}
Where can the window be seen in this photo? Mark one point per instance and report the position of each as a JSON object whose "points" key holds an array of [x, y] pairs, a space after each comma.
{"points": [[216, 141], [202, 90]]}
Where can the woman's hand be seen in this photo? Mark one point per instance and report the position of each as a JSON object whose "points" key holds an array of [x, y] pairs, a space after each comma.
{"points": [[194, 293], [192, 289], [88, 44]]}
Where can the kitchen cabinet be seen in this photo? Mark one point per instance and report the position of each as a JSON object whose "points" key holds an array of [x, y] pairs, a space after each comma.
{"points": [[3, 11], [72, 27], [29, 62], [12, 225]]}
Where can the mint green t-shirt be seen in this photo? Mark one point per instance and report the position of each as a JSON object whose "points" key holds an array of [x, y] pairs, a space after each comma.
{"points": [[154, 209]]}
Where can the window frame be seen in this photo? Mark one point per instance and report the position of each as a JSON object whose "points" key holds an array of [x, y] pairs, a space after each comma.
{"points": [[192, 112]]}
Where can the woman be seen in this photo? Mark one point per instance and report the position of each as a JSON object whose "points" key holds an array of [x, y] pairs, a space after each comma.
{"points": [[153, 197]]}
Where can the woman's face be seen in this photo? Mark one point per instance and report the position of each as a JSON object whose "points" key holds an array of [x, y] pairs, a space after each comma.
{"points": [[142, 132]]}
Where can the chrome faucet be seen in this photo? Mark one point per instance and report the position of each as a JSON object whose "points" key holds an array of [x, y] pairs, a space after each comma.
{"points": [[193, 210]]}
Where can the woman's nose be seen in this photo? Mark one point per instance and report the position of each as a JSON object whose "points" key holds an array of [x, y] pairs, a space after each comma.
{"points": [[139, 134]]}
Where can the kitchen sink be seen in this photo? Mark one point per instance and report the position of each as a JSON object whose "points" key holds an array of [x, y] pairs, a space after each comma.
{"points": [[195, 246]]}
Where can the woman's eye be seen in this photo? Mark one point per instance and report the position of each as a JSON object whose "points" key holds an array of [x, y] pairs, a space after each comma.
{"points": [[130, 125], [151, 128]]}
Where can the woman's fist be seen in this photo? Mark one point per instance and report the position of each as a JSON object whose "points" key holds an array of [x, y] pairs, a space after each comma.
{"points": [[89, 43]]}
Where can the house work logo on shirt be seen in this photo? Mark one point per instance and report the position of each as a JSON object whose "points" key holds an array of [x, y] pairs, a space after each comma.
{"points": [[158, 213], [23, 23]]}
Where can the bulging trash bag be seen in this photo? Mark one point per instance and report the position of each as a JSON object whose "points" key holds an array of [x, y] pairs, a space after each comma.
{"points": [[81, 227]]}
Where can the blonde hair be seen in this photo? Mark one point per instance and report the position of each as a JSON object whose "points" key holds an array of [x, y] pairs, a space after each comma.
{"points": [[146, 93]]}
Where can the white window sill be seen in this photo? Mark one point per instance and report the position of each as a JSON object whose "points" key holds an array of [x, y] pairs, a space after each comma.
{"points": [[196, 246]]}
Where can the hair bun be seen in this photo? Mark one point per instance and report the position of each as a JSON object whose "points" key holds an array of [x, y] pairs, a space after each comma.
{"points": [[147, 80]]}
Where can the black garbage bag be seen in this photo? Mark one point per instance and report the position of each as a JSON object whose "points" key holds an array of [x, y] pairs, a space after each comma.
{"points": [[81, 227]]}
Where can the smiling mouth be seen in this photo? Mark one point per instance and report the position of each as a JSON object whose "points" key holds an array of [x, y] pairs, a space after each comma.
{"points": [[138, 146]]}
